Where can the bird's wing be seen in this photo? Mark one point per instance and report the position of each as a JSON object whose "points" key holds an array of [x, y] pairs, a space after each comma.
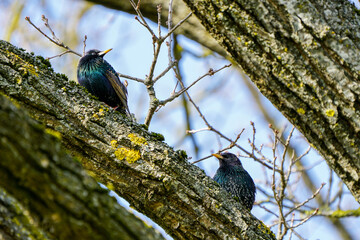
{"points": [[119, 88]]}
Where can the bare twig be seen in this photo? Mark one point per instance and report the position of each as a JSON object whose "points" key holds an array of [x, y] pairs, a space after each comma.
{"points": [[198, 130], [291, 225], [177, 25], [165, 71], [305, 219], [231, 145], [54, 40], [169, 43], [155, 103], [142, 20], [209, 73], [59, 55], [268, 210], [159, 7], [157, 42], [131, 78], [85, 38], [307, 200]]}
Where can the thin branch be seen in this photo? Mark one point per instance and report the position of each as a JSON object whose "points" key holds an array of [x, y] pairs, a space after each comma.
{"points": [[307, 200], [169, 43], [253, 139], [201, 159], [84, 42], [232, 144], [176, 26], [291, 225], [165, 71], [46, 23], [59, 55], [305, 219], [211, 72], [268, 210], [131, 78], [159, 7], [197, 130], [54, 40], [142, 21]]}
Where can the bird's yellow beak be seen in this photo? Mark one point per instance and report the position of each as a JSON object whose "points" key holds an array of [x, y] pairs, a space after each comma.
{"points": [[104, 52], [218, 156]]}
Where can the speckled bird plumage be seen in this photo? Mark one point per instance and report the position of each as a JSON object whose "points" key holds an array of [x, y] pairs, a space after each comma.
{"points": [[101, 80], [235, 179]]}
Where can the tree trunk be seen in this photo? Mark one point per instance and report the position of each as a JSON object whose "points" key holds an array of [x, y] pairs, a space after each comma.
{"points": [[135, 163], [304, 57], [44, 194]]}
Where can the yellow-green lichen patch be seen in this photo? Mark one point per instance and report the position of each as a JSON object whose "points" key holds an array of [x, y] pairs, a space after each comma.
{"points": [[96, 116], [99, 114], [26, 67], [265, 229], [130, 155], [340, 213], [18, 80], [346, 213], [53, 133], [114, 143], [330, 112], [301, 111], [137, 140], [110, 186]]}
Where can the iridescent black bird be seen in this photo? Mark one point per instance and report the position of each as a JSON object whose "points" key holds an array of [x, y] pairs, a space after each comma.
{"points": [[101, 80], [235, 179]]}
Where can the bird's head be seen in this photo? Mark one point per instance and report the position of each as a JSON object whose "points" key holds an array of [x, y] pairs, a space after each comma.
{"points": [[92, 56], [227, 159], [97, 53]]}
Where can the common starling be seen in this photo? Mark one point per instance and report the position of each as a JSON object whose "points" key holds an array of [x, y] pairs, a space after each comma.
{"points": [[101, 80], [235, 179]]}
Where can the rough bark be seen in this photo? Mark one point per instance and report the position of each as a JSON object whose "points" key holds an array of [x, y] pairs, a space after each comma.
{"points": [[45, 194], [304, 57], [150, 175]]}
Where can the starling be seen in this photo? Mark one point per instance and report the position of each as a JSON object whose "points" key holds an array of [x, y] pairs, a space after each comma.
{"points": [[101, 80], [235, 179]]}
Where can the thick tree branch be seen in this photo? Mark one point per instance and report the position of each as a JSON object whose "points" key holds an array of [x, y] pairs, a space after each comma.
{"points": [[154, 178], [46, 194], [304, 57]]}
